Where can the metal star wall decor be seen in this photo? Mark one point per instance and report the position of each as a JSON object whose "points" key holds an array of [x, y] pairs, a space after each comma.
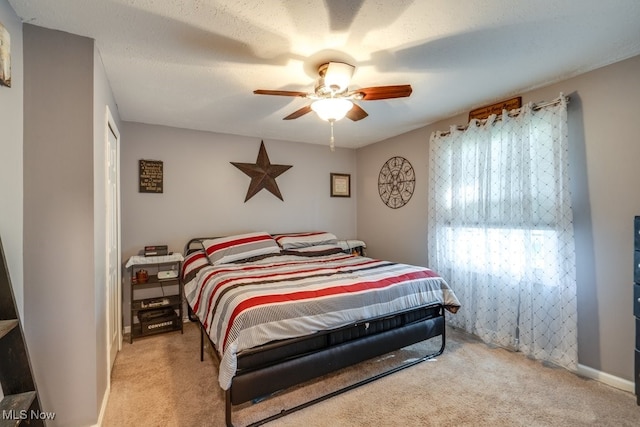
{"points": [[263, 174]]}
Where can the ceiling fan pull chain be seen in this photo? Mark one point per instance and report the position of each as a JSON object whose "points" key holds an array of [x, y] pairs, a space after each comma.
{"points": [[332, 140]]}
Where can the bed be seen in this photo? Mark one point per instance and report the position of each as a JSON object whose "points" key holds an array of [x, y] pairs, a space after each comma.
{"points": [[283, 309]]}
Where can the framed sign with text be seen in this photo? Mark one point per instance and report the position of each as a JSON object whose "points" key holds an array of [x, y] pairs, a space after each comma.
{"points": [[151, 176], [340, 185]]}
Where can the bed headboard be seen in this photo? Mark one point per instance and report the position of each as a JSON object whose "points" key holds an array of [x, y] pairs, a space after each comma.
{"points": [[195, 244]]}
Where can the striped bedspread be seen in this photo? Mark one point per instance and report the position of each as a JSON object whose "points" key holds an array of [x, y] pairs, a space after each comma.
{"points": [[284, 296]]}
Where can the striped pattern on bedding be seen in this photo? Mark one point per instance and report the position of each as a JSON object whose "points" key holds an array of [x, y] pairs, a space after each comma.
{"points": [[245, 305], [192, 262], [235, 248], [303, 240]]}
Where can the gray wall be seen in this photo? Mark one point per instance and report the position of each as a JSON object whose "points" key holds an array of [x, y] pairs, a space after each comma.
{"points": [[11, 167], [204, 194], [58, 217], [604, 129], [60, 276], [102, 97], [64, 292], [394, 234]]}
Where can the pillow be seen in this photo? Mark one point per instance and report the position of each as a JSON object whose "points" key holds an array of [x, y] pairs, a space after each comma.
{"points": [[235, 248], [303, 240], [193, 263], [317, 250]]}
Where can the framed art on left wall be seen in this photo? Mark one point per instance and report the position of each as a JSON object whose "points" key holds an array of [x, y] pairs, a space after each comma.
{"points": [[5, 57]]}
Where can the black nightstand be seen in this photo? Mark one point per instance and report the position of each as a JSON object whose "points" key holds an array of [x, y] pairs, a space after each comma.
{"points": [[156, 295]]}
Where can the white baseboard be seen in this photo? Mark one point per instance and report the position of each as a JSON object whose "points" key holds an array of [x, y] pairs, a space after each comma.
{"points": [[603, 377], [103, 407]]}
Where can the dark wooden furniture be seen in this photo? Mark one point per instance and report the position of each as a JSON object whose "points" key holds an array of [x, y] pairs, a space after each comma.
{"points": [[636, 300], [20, 405], [156, 303]]}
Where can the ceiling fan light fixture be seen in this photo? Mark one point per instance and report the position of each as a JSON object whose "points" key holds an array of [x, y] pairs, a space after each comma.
{"points": [[332, 109], [336, 76]]}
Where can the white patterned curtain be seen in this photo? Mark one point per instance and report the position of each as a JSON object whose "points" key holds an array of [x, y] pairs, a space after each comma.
{"points": [[501, 230]]}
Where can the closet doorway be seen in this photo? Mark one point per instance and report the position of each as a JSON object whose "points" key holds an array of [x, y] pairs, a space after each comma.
{"points": [[112, 228]]}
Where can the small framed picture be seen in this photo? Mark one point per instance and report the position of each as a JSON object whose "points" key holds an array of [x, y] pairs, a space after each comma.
{"points": [[340, 185]]}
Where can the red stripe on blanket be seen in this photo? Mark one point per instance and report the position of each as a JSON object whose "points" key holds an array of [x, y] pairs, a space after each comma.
{"points": [[196, 305], [191, 259], [336, 290], [285, 275], [282, 274]]}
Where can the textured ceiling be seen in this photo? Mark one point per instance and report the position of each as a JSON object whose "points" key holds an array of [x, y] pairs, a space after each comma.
{"points": [[195, 63]]}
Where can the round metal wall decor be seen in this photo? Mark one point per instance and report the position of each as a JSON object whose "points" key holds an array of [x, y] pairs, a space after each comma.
{"points": [[396, 182]]}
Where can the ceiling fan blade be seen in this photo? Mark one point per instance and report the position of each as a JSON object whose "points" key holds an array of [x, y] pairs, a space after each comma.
{"points": [[280, 93], [384, 92], [301, 112], [356, 113]]}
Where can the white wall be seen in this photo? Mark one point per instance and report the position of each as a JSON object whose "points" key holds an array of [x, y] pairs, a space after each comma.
{"points": [[204, 194], [11, 165], [604, 150]]}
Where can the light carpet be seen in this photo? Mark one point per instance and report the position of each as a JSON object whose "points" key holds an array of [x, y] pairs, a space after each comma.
{"points": [[160, 381]]}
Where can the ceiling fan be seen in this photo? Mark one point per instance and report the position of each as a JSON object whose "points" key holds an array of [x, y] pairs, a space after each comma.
{"points": [[332, 99]]}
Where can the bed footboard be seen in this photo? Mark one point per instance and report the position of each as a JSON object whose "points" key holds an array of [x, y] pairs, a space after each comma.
{"points": [[260, 382]]}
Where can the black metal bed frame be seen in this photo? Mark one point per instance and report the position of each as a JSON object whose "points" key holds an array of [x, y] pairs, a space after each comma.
{"points": [[352, 351], [347, 347]]}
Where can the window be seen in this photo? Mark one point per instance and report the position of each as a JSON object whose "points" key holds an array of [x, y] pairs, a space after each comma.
{"points": [[501, 232]]}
